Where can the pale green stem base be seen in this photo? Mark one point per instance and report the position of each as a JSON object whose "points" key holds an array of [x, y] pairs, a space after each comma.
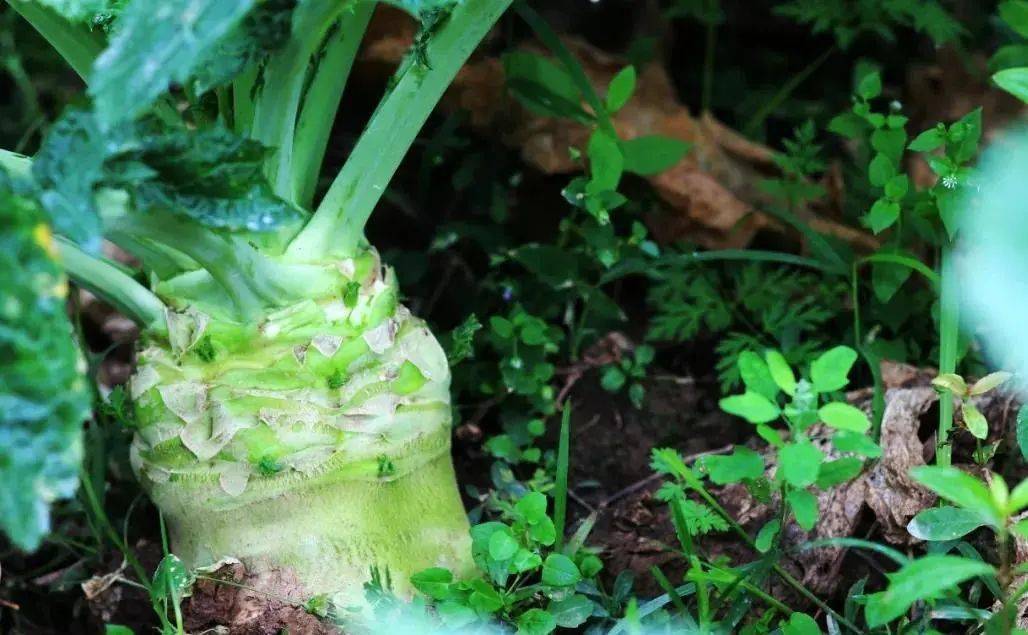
{"points": [[330, 533]]}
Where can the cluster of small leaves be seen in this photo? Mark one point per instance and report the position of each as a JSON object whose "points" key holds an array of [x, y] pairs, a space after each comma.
{"points": [[546, 89], [848, 19], [801, 463], [800, 160], [888, 139], [528, 581], [44, 396], [746, 305], [935, 578], [972, 418], [630, 370]]}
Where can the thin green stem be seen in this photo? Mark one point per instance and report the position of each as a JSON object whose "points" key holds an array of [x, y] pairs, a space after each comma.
{"points": [[78, 45], [113, 285], [337, 227], [949, 331], [553, 42], [783, 93], [560, 494], [278, 103], [321, 102]]}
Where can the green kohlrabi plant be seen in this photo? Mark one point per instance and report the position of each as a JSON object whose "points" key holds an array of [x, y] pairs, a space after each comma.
{"points": [[289, 411]]}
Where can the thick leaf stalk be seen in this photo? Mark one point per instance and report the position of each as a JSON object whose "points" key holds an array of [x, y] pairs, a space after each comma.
{"points": [[314, 441]]}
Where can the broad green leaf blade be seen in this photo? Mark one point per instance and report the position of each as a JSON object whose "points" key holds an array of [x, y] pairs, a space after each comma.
{"points": [[740, 465], [781, 372], [843, 416], [975, 421], [542, 87], [804, 507], [756, 375], [833, 473], [923, 579], [559, 570], [263, 31], [960, 488], [620, 89], [800, 463], [1022, 431], [171, 579], [1014, 81], [571, 612], [67, 168], [652, 154], [155, 45], [43, 394], [944, 523], [830, 371], [751, 406], [990, 382]]}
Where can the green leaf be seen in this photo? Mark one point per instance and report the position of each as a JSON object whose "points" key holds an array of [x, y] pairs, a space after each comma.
{"points": [[1022, 431], [460, 341], [928, 140], [542, 87], [433, 582], [890, 142], [800, 463], [455, 614], [883, 214], [856, 442], [265, 30], [571, 612], [44, 396], [751, 406], [880, 170], [78, 10], [67, 168], [833, 473], [781, 372], [804, 507], [944, 523], [741, 464], [800, 624], [951, 382], [870, 85], [830, 371], [502, 546], [756, 375], [1015, 13], [959, 488], [117, 629], [171, 579], [532, 507], [652, 154], [620, 89], [989, 382], [843, 416], [605, 162], [559, 570], [897, 186], [155, 47], [536, 622], [923, 579], [484, 597], [974, 420], [766, 535], [847, 125], [612, 379]]}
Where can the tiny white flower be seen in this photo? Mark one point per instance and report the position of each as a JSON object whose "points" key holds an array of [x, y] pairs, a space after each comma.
{"points": [[949, 181]]}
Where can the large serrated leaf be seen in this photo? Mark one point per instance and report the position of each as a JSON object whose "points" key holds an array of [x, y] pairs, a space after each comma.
{"points": [[43, 393], [155, 45], [265, 30]]}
